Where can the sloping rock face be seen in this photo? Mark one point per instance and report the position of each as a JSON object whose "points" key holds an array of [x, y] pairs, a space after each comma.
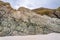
{"points": [[53, 13], [25, 22]]}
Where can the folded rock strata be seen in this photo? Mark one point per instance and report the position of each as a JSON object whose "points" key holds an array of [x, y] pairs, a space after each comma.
{"points": [[25, 22]]}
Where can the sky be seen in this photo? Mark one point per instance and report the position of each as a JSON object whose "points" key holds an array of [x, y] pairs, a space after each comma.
{"points": [[32, 4]]}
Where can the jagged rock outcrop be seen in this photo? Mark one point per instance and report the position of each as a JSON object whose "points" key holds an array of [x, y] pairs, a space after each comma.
{"points": [[57, 14], [25, 22]]}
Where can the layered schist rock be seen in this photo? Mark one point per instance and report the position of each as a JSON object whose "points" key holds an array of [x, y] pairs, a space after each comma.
{"points": [[25, 22]]}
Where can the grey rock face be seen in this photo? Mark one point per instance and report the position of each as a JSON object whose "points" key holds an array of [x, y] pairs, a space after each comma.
{"points": [[57, 13], [26, 22]]}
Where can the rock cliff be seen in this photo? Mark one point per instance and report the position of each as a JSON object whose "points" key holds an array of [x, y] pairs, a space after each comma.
{"points": [[25, 22]]}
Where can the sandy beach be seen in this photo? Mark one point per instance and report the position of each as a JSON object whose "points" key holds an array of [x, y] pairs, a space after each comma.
{"points": [[52, 36]]}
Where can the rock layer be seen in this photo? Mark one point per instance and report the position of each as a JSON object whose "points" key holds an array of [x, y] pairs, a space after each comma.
{"points": [[25, 22]]}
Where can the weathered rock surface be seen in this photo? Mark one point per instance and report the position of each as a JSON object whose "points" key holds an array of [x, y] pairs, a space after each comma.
{"points": [[25, 22]]}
